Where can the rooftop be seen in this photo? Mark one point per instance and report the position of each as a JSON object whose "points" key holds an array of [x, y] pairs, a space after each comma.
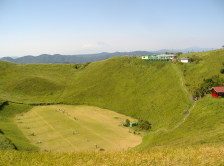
{"points": [[218, 88]]}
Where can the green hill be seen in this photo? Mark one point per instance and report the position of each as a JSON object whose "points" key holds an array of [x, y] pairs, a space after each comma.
{"points": [[205, 125], [205, 66], [147, 90], [153, 91]]}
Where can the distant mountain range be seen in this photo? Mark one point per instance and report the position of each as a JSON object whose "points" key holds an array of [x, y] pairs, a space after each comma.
{"points": [[83, 58]]}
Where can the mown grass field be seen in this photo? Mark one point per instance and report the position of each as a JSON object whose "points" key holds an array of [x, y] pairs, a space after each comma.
{"points": [[63, 128]]}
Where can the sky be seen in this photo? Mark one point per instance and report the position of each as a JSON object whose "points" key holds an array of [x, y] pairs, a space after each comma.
{"points": [[68, 27]]}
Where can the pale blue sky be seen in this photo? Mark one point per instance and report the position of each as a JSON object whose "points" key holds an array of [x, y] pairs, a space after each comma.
{"points": [[33, 27]]}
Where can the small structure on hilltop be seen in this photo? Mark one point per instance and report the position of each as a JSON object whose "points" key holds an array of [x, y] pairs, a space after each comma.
{"points": [[217, 91], [162, 57], [185, 60]]}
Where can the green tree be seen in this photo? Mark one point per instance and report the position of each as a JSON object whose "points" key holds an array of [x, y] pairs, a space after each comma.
{"points": [[127, 122], [144, 125]]}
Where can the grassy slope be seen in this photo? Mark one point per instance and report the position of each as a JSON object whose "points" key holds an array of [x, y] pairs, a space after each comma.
{"points": [[5, 143], [32, 83], [205, 125], [130, 86], [210, 64], [10, 129], [135, 88]]}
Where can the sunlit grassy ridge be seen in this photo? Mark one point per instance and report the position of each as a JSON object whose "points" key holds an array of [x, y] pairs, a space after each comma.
{"points": [[210, 63]]}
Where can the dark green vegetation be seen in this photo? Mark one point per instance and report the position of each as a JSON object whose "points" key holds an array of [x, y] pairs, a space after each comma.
{"points": [[151, 91], [144, 125]]}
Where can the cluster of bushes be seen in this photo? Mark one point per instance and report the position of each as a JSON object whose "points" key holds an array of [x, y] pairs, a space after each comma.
{"points": [[144, 125], [208, 84]]}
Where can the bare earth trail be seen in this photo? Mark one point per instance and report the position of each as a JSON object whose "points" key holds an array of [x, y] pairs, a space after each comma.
{"points": [[189, 110]]}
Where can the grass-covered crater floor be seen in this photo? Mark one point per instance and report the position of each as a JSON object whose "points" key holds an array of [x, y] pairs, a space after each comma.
{"points": [[63, 128]]}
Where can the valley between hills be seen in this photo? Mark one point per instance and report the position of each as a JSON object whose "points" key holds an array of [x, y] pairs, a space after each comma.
{"points": [[73, 112]]}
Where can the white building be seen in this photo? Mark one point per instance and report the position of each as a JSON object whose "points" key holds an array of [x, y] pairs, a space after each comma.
{"points": [[185, 60]]}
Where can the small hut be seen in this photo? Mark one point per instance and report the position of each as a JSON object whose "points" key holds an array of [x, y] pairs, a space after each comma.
{"points": [[132, 124], [217, 91]]}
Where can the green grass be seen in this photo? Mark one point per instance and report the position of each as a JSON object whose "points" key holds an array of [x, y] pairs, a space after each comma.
{"points": [[62, 128], [10, 129], [205, 125], [5, 143], [148, 90], [210, 64], [140, 89], [128, 85], [196, 156]]}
